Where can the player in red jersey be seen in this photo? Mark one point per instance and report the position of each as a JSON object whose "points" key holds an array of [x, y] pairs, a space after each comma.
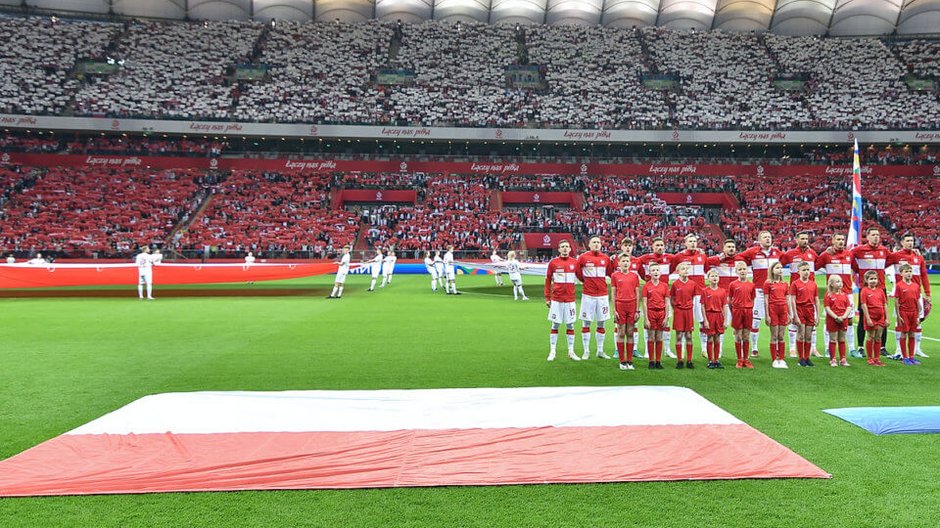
{"points": [[626, 248], [759, 258], [776, 301], [792, 259], [593, 269], [664, 261], [683, 294], [657, 310], [873, 304], [907, 255], [838, 307], [909, 306], [626, 291], [559, 297], [803, 297], [698, 263], [872, 256], [742, 294], [838, 262], [717, 316], [723, 263]]}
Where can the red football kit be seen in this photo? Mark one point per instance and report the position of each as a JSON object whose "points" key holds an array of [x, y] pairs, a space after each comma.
{"points": [[838, 303], [697, 262], [908, 306], [875, 300], [656, 295], [682, 295], [804, 295], [742, 294], [592, 270], [840, 264], [560, 279], [866, 258], [665, 265], [760, 260], [714, 301], [725, 267], [625, 302], [792, 259], [918, 265]]}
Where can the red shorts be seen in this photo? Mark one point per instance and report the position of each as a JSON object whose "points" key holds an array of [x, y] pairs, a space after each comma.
{"points": [[626, 312], [716, 323], [878, 320], [682, 320], [835, 326], [908, 322], [806, 314], [779, 315], [742, 318], [656, 320]]}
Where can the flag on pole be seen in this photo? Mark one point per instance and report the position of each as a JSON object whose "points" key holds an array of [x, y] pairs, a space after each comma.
{"points": [[855, 226]]}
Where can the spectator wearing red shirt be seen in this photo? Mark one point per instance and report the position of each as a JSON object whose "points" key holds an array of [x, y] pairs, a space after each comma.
{"points": [[656, 312], [717, 317], [559, 297], [626, 290], [592, 270]]}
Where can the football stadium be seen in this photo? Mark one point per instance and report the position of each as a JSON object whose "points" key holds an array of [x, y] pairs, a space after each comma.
{"points": [[355, 263]]}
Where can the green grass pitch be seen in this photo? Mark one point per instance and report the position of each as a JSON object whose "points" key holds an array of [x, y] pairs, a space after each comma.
{"points": [[64, 362]]}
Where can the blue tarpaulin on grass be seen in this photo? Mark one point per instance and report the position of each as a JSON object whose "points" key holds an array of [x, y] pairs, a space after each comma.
{"points": [[891, 420]]}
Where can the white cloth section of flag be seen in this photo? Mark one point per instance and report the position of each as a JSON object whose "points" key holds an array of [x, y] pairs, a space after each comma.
{"points": [[525, 268], [217, 441]]}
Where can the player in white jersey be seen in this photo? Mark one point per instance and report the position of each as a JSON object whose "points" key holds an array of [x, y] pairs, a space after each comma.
{"points": [[431, 269], [11, 259], [439, 266], [515, 276], [37, 260], [388, 267], [497, 261], [450, 272], [376, 267], [156, 257], [341, 273], [250, 258], [144, 261]]}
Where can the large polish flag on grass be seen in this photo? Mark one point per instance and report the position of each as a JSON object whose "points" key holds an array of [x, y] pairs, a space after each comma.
{"points": [[213, 441]]}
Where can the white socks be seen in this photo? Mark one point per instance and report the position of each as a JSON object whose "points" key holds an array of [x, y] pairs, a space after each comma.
{"points": [[140, 291], [372, 286]]}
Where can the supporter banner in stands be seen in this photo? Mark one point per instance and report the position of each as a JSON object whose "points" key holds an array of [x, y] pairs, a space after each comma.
{"points": [[725, 200], [489, 167], [385, 195], [547, 240], [228, 128], [516, 197], [61, 275], [105, 161]]}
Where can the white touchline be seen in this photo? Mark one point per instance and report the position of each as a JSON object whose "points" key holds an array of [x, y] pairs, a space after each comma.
{"points": [[922, 337]]}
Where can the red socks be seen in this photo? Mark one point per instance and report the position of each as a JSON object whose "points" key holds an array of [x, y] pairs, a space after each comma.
{"points": [[832, 350], [910, 346], [629, 346], [841, 350], [678, 351], [620, 352], [659, 351]]}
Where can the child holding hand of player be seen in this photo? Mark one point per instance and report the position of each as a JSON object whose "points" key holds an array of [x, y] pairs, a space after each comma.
{"points": [[838, 314], [873, 301]]}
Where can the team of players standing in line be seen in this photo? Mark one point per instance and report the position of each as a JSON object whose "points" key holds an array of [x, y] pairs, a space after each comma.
{"points": [[715, 292]]}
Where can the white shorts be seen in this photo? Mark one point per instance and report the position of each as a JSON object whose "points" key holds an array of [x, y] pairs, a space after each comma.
{"points": [[432, 272], [375, 274], [562, 312], [451, 274], [341, 278], [595, 308], [760, 311], [145, 277], [517, 281]]}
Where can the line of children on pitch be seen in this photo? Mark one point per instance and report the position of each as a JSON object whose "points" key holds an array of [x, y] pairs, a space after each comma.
{"points": [[794, 303]]}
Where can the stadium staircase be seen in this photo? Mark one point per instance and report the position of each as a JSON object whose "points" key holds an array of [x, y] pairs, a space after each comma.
{"points": [[716, 230], [496, 200], [362, 246], [180, 228]]}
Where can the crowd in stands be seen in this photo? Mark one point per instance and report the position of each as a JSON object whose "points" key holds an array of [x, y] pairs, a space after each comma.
{"points": [[171, 70], [855, 83], [97, 211], [317, 72], [908, 204], [37, 61], [785, 206], [326, 72], [271, 212]]}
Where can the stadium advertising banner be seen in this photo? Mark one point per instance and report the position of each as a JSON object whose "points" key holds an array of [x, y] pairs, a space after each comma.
{"points": [[300, 130], [481, 168]]}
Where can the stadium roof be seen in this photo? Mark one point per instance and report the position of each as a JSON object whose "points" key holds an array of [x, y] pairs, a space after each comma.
{"points": [[788, 17]]}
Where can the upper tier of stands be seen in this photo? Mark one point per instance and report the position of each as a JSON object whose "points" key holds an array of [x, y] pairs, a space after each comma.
{"points": [[595, 77]]}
